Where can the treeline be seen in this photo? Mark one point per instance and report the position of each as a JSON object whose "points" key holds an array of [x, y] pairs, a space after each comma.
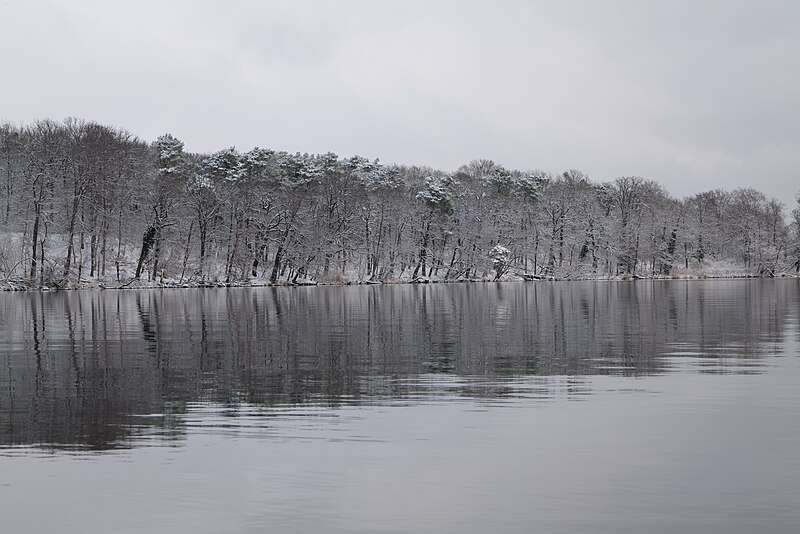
{"points": [[84, 201]]}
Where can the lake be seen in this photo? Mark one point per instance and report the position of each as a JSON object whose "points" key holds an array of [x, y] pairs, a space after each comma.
{"points": [[603, 407]]}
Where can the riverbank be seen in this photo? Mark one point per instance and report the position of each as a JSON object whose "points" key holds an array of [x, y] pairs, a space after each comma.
{"points": [[20, 285]]}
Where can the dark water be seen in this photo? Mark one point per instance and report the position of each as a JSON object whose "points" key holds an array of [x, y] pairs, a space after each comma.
{"points": [[538, 407]]}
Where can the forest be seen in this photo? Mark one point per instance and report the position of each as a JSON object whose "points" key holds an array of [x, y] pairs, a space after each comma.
{"points": [[85, 204]]}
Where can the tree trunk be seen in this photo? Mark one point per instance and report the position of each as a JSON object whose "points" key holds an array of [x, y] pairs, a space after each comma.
{"points": [[35, 241], [71, 233], [203, 231], [148, 240]]}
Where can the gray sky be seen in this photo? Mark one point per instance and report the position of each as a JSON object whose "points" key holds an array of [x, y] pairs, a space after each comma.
{"points": [[695, 95]]}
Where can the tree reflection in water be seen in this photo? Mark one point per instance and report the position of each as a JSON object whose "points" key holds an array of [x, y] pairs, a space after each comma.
{"points": [[100, 369]]}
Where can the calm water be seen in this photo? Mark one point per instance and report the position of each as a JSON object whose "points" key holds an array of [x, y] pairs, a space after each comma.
{"points": [[538, 407]]}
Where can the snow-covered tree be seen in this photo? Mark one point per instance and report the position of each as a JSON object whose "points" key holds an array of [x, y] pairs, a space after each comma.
{"points": [[170, 174], [794, 248], [501, 260], [224, 166], [437, 196], [79, 197]]}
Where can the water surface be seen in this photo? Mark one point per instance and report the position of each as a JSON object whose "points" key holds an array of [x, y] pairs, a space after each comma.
{"points": [[553, 407]]}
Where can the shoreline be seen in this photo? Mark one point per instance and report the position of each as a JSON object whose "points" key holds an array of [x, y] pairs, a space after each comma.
{"points": [[17, 286]]}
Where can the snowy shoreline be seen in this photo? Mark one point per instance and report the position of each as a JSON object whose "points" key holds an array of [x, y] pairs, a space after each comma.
{"points": [[18, 286]]}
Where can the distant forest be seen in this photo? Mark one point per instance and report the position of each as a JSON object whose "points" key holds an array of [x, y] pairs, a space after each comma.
{"points": [[83, 202]]}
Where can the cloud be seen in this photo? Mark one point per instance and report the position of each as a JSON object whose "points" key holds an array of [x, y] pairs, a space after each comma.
{"points": [[694, 95]]}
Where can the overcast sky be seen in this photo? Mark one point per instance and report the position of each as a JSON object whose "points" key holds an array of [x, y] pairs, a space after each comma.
{"points": [[696, 95]]}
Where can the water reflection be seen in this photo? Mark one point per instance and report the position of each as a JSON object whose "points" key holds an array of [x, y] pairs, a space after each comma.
{"points": [[101, 370]]}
